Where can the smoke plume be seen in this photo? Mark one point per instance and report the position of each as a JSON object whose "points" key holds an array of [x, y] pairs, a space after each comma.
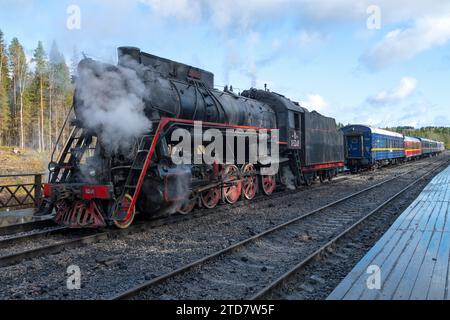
{"points": [[110, 101], [288, 178]]}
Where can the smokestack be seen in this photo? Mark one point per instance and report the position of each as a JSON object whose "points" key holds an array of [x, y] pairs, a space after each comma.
{"points": [[130, 52]]}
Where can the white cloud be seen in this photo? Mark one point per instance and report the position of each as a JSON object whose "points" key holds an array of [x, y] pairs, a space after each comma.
{"points": [[430, 21], [246, 13], [356, 10], [417, 114], [314, 102], [310, 38], [242, 14], [403, 44], [180, 9], [403, 90], [222, 14]]}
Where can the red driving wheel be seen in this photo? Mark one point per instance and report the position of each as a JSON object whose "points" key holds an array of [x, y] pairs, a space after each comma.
{"points": [[232, 190], [210, 198], [268, 184], [124, 206], [250, 181], [187, 207]]}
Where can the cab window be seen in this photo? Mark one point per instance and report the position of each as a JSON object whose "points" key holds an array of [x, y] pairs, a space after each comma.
{"points": [[294, 120]]}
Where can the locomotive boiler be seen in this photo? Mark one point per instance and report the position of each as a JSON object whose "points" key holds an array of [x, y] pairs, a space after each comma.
{"points": [[119, 158]]}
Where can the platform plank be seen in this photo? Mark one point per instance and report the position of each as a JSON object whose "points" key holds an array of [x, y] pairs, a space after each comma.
{"points": [[365, 262], [392, 279], [388, 264], [439, 276], [360, 283], [413, 255], [410, 221], [425, 273]]}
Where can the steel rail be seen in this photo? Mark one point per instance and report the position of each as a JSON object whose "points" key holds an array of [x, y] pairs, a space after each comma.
{"points": [[7, 242], [51, 249], [139, 288], [25, 227]]}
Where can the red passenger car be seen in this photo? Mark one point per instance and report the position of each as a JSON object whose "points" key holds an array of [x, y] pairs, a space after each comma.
{"points": [[413, 148]]}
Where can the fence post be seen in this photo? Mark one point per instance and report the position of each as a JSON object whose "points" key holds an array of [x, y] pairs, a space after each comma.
{"points": [[37, 189]]}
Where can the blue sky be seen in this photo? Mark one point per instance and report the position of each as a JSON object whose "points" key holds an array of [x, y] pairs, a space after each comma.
{"points": [[320, 52]]}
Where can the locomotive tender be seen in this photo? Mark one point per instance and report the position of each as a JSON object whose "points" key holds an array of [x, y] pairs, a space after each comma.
{"points": [[92, 185]]}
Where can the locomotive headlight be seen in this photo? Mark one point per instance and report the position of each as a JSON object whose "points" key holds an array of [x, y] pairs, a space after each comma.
{"points": [[52, 166], [92, 173]]}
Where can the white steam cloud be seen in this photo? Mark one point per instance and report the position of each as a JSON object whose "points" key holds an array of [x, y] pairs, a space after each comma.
{"points": [[288, 178], [113, 105]]}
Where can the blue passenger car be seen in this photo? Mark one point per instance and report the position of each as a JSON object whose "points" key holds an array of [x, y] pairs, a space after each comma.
{"points": [[430, 147], [367, 147]]}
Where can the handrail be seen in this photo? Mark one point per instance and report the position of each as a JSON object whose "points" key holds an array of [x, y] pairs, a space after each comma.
{"points": [[22, 175]]}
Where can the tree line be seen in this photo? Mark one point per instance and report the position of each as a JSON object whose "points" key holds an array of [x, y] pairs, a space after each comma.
{"points": [[35, 95], [433, 133]]}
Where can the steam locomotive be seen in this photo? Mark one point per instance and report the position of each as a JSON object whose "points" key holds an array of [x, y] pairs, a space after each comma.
{"points": [[100, 180]]}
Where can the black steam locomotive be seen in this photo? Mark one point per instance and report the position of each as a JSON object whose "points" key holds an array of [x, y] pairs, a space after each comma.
{"points": [[99, 180]]}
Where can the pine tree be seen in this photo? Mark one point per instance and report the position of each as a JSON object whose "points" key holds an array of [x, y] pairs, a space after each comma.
{"points": [[60, 92], [74, 62], [30, 112], [17, 60], [28, 98], [3, 58], [40, 80], [5, 115]]}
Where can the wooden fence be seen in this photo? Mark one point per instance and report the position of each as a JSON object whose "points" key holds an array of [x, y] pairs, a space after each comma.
{"points": [[21, 190]]}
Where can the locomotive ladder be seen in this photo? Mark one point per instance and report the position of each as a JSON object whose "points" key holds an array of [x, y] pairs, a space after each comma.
{"points": [[124, 209], [297, 167], [75, 147]]}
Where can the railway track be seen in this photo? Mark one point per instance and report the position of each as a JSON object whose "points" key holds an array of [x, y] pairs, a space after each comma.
{"points": [[62, 238], [235, 272], [26, 227], [56, 238]]}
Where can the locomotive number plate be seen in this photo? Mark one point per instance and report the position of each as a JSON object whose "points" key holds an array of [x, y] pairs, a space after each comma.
{"points": [[294, 139]]}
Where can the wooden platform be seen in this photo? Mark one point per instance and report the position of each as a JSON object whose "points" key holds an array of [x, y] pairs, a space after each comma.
{"points": [[413, 255]]}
